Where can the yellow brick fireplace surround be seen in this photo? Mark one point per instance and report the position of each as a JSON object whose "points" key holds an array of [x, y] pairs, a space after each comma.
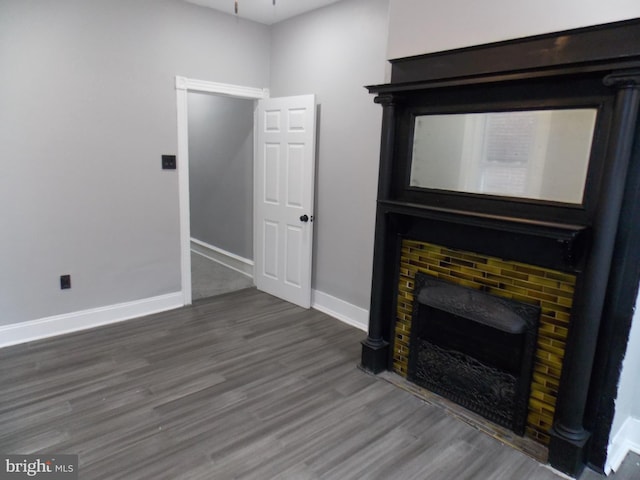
{"points": [[551, 290]]}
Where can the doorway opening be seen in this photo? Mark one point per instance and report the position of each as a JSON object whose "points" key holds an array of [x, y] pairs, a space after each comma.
{"points": [[283, 188], [216, 237], [220, 193]]}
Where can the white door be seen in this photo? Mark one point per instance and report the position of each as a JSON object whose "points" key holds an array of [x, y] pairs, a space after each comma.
{"points": [[283, 197]]}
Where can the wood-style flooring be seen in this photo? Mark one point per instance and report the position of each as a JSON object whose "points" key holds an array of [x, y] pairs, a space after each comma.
{"points": [[238, 386]]}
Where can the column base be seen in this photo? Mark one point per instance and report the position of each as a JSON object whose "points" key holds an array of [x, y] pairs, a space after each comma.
{"points": [[375, 355], [568, 454]]}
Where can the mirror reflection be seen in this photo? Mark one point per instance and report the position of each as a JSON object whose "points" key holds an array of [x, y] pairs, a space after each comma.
{"points": [[538, 154]]}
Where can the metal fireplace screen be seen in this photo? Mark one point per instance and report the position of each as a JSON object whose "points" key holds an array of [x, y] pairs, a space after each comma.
{"points": [[474, 349]]}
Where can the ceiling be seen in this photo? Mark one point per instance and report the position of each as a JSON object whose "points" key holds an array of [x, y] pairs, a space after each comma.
{"points": [[263, 11]]}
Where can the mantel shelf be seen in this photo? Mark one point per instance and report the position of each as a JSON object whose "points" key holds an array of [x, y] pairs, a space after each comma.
{"points": [[558, 231]]}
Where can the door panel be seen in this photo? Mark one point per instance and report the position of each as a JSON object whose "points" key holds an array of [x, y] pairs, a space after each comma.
{"points": [[271, 173], [293, 260], [270, 250], [295, 176], [285, 168]]}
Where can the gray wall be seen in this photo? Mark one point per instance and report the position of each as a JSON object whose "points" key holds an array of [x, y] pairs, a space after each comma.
{"points": [[333, 52], [88, 105], [221, 171]]}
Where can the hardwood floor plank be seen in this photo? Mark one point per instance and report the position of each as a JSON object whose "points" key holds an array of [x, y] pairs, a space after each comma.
{"points": [[238, 386]]}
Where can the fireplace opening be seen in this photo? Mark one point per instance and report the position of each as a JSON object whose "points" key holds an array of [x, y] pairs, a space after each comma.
{"points": [[473, 348]]}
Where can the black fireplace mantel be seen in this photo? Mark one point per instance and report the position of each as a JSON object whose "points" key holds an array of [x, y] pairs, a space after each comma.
{"points": [[598, 241]]}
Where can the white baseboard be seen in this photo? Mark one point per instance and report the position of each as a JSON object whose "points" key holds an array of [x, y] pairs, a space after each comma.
{"points": [[228, 259], [344, 311], [72, 322], [626, 440]]}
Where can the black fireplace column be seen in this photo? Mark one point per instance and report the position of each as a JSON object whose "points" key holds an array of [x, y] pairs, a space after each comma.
{"points": [[375, 348], [568, 436]]}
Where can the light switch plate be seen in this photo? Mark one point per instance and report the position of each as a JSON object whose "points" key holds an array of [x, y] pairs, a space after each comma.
{"points": [[168, 162]]}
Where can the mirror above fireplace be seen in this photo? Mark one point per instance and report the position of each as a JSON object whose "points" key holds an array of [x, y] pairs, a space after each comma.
{"points": [[536, 154]]}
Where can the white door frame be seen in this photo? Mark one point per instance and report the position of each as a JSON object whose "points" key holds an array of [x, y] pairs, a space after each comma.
{"points": [[185, 85]]}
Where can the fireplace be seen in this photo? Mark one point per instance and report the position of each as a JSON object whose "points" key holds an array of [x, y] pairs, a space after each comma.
{"points": [[522, 218], [549, 290], [473, 348]]}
